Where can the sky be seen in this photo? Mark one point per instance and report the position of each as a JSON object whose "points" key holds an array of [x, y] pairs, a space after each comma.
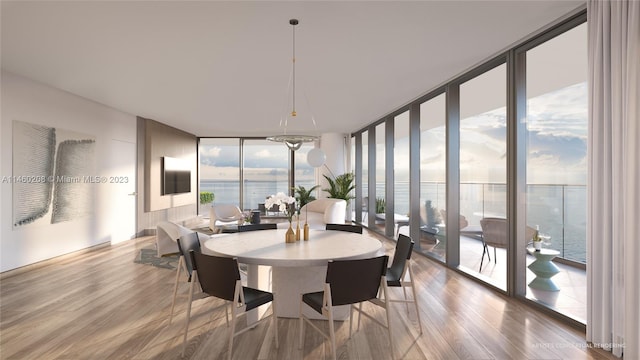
{"points": [[556, 139]]}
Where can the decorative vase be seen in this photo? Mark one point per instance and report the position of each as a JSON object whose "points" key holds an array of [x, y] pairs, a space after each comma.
{"points": [[290, 237], [298, 230], [306, 231]]}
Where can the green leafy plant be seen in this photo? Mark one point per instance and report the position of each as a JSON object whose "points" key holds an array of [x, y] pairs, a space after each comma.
{"points": [[303, 196], [206, 197], [341, 187], [380, 205]]}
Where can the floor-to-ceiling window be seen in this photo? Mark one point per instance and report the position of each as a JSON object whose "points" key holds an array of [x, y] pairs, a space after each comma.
{"points": [[352, 168], [401, 173], [556, 92], [245, 171], [483, 175], [364, 191], [502, 152], [220, 170], [265, 167], [380, 185], [433, 186]]}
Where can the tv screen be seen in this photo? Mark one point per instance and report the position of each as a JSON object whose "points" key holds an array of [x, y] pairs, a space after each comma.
{"points": [[176, 176]]}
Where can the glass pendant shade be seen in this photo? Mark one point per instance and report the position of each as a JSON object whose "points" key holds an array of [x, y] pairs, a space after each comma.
{"points": [[293, 142]]}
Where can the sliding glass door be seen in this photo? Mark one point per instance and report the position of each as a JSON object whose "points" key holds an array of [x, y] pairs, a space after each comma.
{"points": [[483, 176], [556, 98]]}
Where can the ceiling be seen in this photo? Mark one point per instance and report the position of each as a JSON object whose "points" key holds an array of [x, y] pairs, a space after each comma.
{"points": [[223, 68]]}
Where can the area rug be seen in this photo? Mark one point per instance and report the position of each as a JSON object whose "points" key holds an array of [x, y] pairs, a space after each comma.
{"points": [[149, 256]]}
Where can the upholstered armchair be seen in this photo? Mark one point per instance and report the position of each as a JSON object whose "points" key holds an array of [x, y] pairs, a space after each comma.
{"points": [[167, 235]]}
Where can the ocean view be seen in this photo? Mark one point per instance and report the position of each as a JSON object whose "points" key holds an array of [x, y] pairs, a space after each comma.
{"points": [[558, 210]]}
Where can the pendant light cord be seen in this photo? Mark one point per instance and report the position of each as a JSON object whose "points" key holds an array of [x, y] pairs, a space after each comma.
{"points": [[294, 22]]}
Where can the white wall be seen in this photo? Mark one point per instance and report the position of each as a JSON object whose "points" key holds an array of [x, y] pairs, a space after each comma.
{"points": [[28, 101], [333, 145]]}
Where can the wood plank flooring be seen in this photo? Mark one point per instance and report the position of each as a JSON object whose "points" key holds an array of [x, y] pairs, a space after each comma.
{"points": [[101, 305]]}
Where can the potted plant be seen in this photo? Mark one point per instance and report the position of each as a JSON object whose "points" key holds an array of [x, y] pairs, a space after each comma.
{"points": [[341, 187], [206, 197], [303, 196], [380, 205]]}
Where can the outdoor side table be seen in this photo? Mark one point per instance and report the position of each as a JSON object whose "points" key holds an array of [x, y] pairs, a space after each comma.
{"points": [[544, 269]]}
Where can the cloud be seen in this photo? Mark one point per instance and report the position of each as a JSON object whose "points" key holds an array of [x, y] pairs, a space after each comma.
{"points": [[219, 155], [263, 154], [210, 151]]}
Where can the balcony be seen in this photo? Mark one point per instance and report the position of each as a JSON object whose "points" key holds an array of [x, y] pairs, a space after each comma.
{"points": [[558, 210]]}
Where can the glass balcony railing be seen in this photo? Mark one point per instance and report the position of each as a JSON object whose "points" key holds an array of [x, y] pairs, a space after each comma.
{"points": [[559, 210]]}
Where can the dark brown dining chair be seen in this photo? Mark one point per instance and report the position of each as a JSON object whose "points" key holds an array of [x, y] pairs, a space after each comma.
{"points": [[397, 274], [256, 227], [348, 282], [220, 277], [345, 227], [186, 243]]}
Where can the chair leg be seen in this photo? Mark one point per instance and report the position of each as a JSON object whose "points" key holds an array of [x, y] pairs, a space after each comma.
{"points": [[495, 256], [386, 311], [275, 321], [186, 327], [350, 319], [485, 249], [415, 302], [415, 299], [301, 326], [226, 311], [233, 330], [332, 334], [404, 290], [175, 288], [359, 315]]}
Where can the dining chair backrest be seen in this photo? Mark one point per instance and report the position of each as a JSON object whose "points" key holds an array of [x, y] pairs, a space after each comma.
{"points": [[345, 227], [255, 227], [217, 275], [354, 281], [494, 232], [404, 248], [187, 243]]}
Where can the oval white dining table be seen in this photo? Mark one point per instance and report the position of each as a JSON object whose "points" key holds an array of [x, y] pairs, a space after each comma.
{"points": [[296, 268]]}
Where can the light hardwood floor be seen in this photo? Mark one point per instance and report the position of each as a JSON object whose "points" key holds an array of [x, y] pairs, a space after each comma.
{"points": [[101, 305]]}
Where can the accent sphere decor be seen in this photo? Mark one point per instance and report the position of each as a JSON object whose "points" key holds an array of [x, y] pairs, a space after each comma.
{"points": [[316, 157]]}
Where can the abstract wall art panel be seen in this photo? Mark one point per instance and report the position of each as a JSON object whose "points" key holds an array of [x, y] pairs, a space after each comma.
{"points": [[73, 199], [33, 161], [53, 175]]}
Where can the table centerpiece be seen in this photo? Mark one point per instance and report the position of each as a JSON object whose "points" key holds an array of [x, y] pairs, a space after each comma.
{"points": [[286, 205]]}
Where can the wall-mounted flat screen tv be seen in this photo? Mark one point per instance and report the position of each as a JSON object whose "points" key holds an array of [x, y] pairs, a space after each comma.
{"points": [[176, 176]]}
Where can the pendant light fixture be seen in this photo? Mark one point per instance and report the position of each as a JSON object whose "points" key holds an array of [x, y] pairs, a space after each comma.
{"points": [[293, 142]]}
